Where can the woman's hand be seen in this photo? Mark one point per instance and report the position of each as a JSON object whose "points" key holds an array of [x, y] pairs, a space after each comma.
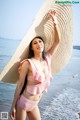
{"points": [[52, 13], [13, 113]]}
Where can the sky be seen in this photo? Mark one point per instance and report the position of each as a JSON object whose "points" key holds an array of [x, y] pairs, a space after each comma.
{"points": [[16, 16]]}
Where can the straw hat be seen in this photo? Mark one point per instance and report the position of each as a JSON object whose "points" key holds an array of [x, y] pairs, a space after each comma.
{"points": [[43, 27]]}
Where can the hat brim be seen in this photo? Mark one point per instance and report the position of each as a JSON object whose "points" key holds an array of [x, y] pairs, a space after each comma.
{"points": [[43, 27]]}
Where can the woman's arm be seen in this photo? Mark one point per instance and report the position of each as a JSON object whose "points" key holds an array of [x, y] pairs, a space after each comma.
{"points": [[24, 71], [56, 42]]}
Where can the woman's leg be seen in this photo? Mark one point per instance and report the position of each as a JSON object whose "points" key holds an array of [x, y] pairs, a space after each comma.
{"points": [[34, 114], [20, 113]]}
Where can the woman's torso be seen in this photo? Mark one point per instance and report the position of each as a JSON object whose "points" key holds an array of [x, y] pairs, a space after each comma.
{"points": [[42, 68], [41, 71]]}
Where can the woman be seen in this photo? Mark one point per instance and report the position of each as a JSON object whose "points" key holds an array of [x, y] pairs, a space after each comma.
{"points": [[38, 71]]}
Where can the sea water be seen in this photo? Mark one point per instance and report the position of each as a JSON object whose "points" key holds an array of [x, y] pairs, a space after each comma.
{"points": [[61, 102], [7, 49]]}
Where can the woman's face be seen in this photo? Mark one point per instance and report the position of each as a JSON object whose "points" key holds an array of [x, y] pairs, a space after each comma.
{"points": [[37, 45]]}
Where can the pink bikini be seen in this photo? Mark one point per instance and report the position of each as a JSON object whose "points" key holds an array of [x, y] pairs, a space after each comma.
{"points": [[25, 103]]}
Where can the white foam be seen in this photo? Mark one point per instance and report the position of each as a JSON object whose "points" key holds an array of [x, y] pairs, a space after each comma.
{"points": [[65, 107]]}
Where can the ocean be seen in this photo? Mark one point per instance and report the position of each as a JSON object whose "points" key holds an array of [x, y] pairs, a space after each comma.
{"points": [[61, 102]]}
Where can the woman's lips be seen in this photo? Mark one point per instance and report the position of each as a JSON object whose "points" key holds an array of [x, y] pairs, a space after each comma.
{"points": [[39, 47]]}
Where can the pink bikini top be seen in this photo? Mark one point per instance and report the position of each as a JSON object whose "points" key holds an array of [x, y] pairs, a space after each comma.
{"points": [[36, 76]]}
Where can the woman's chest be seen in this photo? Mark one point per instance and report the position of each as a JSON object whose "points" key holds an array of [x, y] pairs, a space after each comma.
{"points": [[42, 68]]}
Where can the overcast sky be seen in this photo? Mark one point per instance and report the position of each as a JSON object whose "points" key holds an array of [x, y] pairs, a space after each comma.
{"points": [[16, 17]]}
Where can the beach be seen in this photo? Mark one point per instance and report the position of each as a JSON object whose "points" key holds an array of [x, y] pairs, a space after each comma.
{"points": [[61, 102]]}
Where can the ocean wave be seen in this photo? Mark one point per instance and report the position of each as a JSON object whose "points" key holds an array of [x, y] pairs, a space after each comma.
{"points": [[64, 107]]}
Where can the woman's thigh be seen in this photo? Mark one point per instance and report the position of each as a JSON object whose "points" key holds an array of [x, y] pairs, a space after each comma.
{"points": [[20, 113], [34, 114]]}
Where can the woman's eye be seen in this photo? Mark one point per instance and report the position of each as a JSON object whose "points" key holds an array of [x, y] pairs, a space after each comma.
{"points": [[40, 41], [35, 42]]}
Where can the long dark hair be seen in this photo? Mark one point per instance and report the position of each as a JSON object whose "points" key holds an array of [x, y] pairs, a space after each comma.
{"points": [[24, 85], [30, 55]]}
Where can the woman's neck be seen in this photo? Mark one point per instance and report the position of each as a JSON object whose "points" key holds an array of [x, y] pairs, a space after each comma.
{"points": [[38, 57]]}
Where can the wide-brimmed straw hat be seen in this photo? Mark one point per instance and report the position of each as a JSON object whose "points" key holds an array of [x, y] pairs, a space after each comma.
{"points": [[43, 27]]}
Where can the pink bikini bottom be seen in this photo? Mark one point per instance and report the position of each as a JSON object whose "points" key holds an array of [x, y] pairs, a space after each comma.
{"points": [[26, 104]]}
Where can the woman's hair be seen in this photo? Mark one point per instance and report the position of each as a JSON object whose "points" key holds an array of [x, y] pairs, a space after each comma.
{"points": [[24, 85], [31, 52]]}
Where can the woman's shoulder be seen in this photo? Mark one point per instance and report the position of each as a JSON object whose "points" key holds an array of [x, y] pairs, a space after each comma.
{"points": [[24, 64]]}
